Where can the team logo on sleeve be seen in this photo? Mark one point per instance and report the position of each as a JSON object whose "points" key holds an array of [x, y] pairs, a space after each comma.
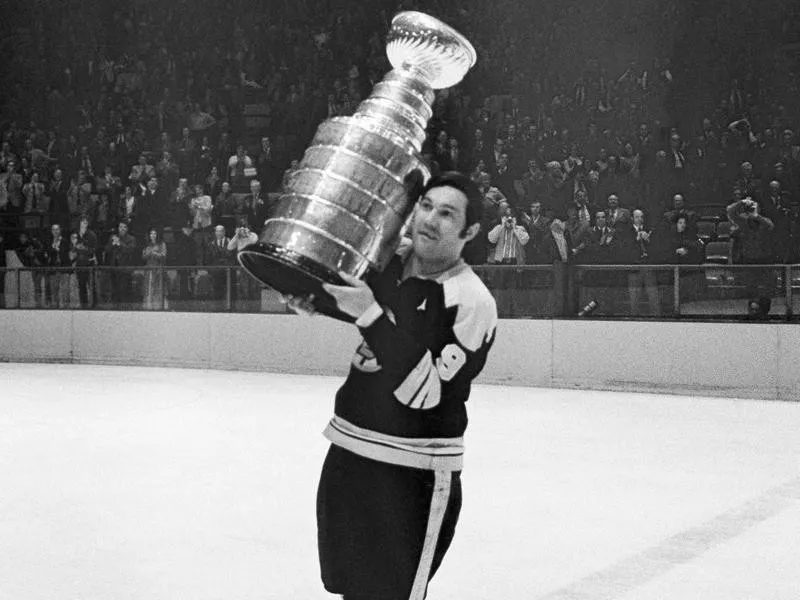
{"points": [[364, 359]]}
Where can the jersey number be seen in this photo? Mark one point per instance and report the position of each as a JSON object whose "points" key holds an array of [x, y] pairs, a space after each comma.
{"points": [[450, 361]]}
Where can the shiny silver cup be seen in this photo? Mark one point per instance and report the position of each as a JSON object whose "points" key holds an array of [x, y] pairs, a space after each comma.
{"points": [[346, 206]]}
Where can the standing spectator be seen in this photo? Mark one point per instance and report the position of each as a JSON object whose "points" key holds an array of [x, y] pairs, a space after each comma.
{"points": [[638, 240], [155, 257], [754, 237], [240, 169], [183, 253], [509, 239], [186, 150], [538, 227], [59, 190], [178, 211], [201, 207], [217, 257], [121, 252], [579, 232], [257, 206], [168, 171], [616, 215], [786, 217], [213, 183], [11, 185], [603, 240], [57, 257], [243, 238], [35, 199], [86, 248], [3, 264], [269, 173], [205, 159], [141, 172]]}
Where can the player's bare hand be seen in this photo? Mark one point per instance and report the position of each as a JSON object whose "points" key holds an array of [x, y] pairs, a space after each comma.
{"points": [[302, 305], [354, 298]]}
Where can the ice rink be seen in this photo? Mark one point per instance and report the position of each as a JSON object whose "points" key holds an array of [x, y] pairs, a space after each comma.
{"points": [[123, 483]]}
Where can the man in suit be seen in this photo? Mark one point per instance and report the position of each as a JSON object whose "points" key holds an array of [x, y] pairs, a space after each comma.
{"points": [[121, 251], [257, 206], [218, 257], [182, 252], [636, 240], [617, 215], [504, 179], [57, 256]]}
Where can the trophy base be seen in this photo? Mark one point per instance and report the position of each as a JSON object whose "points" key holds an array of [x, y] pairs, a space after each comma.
{"points": [[293, 274]]}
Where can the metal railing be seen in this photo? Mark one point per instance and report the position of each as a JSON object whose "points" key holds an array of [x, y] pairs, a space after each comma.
{"points": [[706, 291]]}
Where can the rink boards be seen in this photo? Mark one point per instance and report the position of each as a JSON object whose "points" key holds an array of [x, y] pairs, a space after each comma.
{"points": [[746, 360]]}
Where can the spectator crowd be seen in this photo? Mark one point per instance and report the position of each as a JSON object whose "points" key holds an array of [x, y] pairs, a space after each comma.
{"points": [[125, 139]]}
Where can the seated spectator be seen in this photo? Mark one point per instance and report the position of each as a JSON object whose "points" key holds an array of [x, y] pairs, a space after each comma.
{"points": [[679, 208], [509, 239], [679, 245]]}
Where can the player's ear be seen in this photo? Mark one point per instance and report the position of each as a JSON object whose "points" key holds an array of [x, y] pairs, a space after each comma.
{"points": [[471, 231]]}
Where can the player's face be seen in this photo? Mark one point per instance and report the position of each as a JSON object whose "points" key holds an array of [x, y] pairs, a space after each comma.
{"points": [[439, 219]]}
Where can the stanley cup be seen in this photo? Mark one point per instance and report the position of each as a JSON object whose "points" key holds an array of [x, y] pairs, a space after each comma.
{"points": [[346, 206]]}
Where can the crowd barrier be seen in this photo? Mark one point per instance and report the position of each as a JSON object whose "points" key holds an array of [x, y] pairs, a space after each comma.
{"points": [[659, 292]]}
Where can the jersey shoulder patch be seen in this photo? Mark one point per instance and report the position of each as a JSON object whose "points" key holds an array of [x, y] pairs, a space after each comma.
{"points": [[476, 310]]}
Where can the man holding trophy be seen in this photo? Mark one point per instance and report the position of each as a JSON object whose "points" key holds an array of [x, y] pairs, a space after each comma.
{"points": [[390, 491]]}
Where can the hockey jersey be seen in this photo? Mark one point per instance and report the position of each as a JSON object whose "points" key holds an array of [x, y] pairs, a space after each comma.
{"points": [[404, 398]]}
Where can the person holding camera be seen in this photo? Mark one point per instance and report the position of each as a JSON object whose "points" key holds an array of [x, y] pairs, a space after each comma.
{"points": [[242, 238], [509, 238], [754, 237]]}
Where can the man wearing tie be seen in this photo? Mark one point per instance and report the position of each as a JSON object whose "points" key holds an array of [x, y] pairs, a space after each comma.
{"points": [[616, 214], [217, 257]]}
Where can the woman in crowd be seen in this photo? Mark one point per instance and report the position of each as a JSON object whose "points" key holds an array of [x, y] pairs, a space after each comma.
{"points": [[155, 257]]}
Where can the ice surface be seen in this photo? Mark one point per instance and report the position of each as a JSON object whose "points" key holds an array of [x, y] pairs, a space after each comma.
{"points": [[122, 483]]}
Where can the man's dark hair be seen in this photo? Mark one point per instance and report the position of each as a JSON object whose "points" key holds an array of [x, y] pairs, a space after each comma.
{"points": [[466, 186]]}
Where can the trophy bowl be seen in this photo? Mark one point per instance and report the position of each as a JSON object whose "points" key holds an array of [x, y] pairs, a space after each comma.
{"points": [[346, 206]]}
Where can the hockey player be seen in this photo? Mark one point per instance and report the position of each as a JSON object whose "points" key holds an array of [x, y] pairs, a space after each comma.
{"points": [[390, 491]]}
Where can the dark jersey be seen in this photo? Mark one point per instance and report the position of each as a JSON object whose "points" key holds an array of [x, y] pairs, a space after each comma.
{"points": [[411, 375]]}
